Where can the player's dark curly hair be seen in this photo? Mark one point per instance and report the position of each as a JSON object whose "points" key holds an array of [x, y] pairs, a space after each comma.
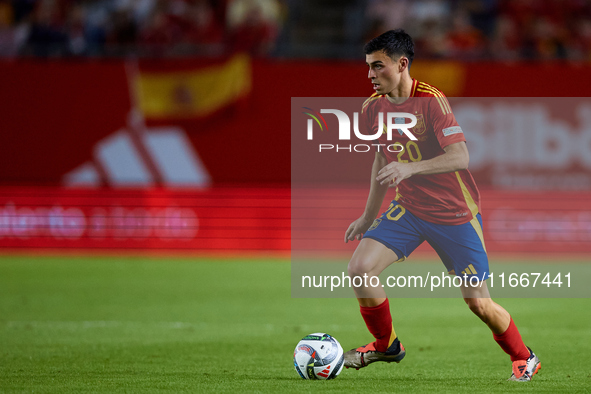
{"points": [[393, 43]]}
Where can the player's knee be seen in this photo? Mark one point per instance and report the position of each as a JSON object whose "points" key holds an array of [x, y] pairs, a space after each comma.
{"points": [[477, 306], [359, 267]]}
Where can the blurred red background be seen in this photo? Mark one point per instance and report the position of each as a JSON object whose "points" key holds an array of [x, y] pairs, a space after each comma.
{"points": [[56, 116]]}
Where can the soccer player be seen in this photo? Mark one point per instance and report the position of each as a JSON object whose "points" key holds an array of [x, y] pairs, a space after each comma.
{"points": [[436, 201]]}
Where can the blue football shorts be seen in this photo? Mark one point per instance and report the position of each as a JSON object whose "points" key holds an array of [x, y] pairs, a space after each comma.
{"points": [[460, 247]]}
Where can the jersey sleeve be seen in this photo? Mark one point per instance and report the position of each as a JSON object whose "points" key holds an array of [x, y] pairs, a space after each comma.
{"points": [[444, 122]]}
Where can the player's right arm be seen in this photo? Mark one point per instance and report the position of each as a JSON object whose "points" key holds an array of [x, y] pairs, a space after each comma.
{"points": [[377, 192]]}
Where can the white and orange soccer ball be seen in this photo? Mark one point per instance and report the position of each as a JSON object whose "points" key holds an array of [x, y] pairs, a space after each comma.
{"points": [[318, 356]]}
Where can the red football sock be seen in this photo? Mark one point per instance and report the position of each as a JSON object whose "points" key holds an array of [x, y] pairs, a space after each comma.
{"points": [[510, 341], [379, 322]]}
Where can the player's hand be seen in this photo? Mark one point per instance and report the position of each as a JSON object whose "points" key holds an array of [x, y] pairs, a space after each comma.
{"points": [[357, 228], [394, 173]]}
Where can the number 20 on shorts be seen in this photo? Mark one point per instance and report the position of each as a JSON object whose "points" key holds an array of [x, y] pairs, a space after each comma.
{"points": [[392, 211]]}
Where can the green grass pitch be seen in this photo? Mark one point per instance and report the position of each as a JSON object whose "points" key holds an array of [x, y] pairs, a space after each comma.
{"points": [[70, 325]]}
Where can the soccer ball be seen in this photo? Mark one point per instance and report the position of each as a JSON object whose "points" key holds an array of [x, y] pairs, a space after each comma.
{"points": [[318, 356]]}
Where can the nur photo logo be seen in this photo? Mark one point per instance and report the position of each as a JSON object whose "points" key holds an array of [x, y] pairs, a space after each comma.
{"points": [[390, 121]]}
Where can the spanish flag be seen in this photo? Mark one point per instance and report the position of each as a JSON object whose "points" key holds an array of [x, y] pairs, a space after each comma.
{"points": [[193, 90]]}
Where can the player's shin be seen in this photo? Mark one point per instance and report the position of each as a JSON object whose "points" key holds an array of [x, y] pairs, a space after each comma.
{"points": [[510, 341], [379, 322]]}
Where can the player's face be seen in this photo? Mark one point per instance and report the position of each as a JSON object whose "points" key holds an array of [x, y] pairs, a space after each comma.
{"points": [[384, 72]]}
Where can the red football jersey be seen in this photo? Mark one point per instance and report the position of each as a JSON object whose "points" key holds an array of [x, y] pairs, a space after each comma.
{"points": [[450, 198]]}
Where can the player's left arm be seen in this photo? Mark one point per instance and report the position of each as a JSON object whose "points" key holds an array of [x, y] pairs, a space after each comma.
{"points": [[455, 158], [451, 139]]}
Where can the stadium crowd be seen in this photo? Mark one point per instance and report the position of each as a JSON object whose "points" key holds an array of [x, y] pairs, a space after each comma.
{"points": [[490, 29], [55, 28], [459, 29]]}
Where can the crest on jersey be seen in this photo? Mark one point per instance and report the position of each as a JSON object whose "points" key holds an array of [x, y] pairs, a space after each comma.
{"points": [[420, 128]]}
